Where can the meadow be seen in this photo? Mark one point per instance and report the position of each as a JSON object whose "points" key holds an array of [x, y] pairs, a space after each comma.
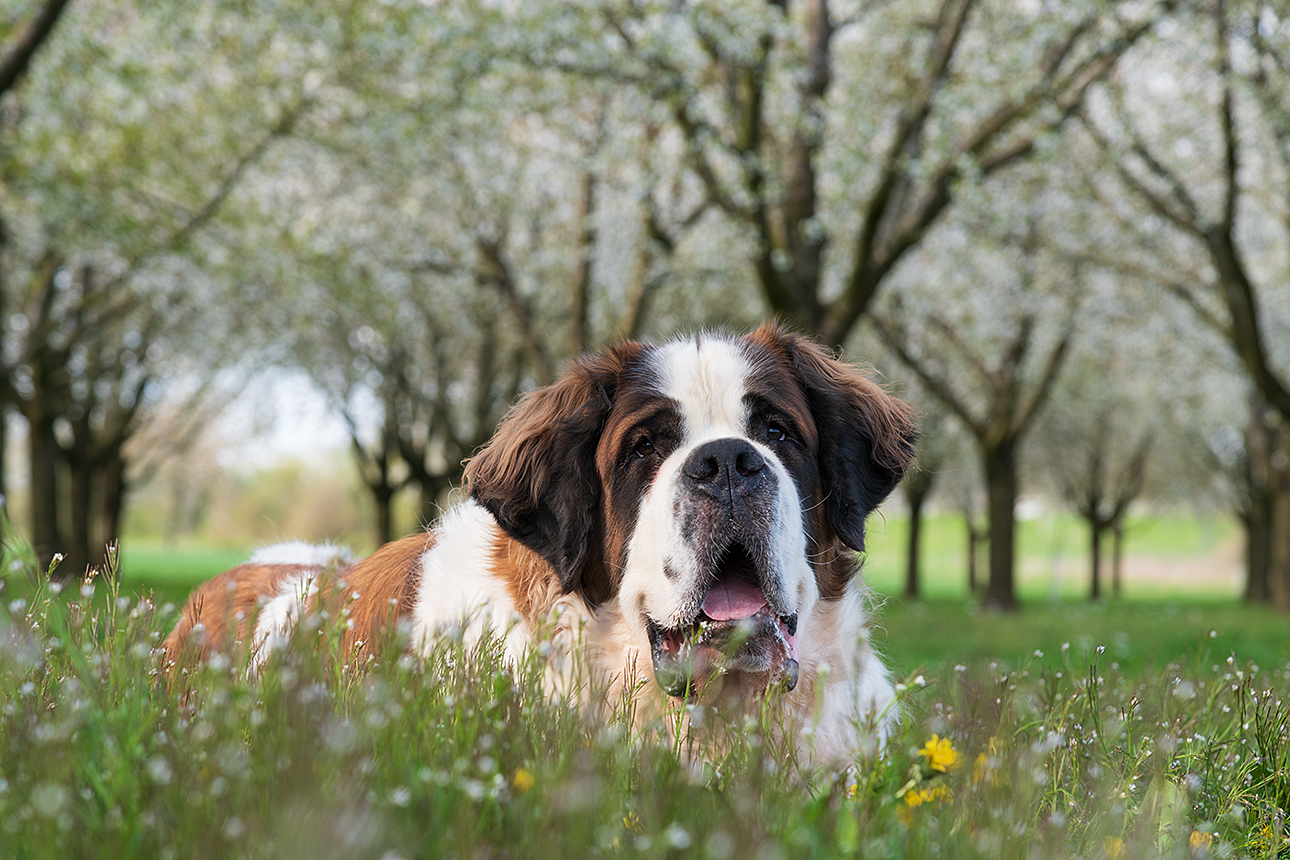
{"points": [[1154, 726]]}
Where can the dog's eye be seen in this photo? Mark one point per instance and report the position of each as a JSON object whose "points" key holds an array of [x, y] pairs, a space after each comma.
{"points": [[644, 448], [775, 433]]}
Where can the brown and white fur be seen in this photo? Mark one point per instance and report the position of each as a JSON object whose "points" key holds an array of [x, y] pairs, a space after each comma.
{"points": [[692, 509]]}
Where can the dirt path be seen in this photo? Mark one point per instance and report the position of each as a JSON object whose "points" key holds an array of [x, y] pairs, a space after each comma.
{"points": [[1218, 573]]}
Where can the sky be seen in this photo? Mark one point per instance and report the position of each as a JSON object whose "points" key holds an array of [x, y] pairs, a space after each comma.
{"points": [[280, 415]]}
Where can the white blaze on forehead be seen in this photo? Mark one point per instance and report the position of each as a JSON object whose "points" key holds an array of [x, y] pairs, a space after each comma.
{"points": [[706, 376]]}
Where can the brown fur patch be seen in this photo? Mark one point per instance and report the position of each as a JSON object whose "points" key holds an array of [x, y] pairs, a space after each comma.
{"points": [[889, 420], [537, 475], [386, 584], [532, 584], [226, 608]]}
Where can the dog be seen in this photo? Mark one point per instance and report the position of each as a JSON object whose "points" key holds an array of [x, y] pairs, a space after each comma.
{"points": [[692, 511]]}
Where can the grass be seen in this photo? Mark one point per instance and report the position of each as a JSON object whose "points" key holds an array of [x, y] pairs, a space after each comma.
{"points": [[1136, 635], [1146, 737]]}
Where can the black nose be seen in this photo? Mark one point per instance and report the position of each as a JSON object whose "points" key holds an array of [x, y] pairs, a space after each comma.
{"points": [[724, 467]]}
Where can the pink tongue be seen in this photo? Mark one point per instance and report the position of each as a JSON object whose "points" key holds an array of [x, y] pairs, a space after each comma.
{"points": [[733, 599]]}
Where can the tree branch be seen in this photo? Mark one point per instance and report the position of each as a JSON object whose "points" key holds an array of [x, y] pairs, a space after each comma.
{"points": [[498, 273], [894, 335], [15, 63]]}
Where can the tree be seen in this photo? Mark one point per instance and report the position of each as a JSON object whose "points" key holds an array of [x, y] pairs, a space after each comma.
{"points": [[13, 65], [837, 138], [994, 379], [933, 455], [109, 187], [1200, 175], [1105, 445], [1244, 456], [423, 307]]}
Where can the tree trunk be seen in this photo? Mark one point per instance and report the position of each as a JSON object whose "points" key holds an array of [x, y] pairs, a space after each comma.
{"points": [[1258, 550], [915, 528], [4, 446], [918, 486], [113, 488], [46, 536], [1279, 523], [1095, 527], [1255, 508], [1001, 489], [1117, 557], [973, 538], [80, 502], [383, 495]]}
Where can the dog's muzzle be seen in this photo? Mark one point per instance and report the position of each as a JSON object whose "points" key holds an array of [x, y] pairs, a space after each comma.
{"points": [[740, 624]]}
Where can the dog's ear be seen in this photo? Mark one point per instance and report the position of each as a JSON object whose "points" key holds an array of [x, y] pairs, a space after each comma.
{"points": [[538, 475], [867, 436]]}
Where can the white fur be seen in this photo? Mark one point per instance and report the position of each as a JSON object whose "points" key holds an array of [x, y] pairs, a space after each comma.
{"points": [[855, 706], [459, 592], [277, 620], [707, 378], [300, 552]]}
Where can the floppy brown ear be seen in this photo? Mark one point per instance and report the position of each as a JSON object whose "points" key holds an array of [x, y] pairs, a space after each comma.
{"points": [[867, 436], [538, 478]]}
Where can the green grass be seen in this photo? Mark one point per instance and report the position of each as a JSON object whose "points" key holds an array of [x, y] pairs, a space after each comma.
{"points": [[1145, 737], [459, 755], [1137, 636], [169, 573], [1051, 549]]}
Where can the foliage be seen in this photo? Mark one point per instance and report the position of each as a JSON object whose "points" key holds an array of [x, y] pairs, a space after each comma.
{"points": [[460, 755]]}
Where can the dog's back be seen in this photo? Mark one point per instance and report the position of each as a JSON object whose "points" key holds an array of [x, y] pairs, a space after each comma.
{"points": [[257, 604]]}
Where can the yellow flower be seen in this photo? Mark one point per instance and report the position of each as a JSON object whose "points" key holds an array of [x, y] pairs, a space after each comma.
{"points": [[1114, 847], [632, 822], [523, 780], [940, 754], [983, 769], [1201, 843], [927, 795], [1262, 842]]}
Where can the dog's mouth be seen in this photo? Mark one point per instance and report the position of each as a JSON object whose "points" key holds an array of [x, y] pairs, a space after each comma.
{"points": [[734, 631]]}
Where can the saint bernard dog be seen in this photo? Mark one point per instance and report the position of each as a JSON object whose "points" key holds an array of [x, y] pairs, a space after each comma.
{"points": [[688, 513]]}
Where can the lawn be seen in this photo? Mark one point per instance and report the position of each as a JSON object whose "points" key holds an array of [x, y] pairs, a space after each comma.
{"points": [[1137, 635], [1138, 728]]}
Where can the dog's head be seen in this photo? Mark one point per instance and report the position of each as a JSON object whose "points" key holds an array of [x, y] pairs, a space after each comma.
{"points": [[710, 485]]}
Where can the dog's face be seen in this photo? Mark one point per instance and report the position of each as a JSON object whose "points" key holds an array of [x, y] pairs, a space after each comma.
{"points": [[710, 485]]}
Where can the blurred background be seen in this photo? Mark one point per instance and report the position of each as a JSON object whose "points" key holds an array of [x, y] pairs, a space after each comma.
{"points": [[272, 270]]}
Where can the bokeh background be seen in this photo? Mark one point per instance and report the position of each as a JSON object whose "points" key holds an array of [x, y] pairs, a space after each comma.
{"points": [[272, 270]]}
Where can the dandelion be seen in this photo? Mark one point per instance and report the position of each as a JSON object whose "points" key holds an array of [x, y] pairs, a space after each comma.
{"points": [[523, 780], [1201, 843], [940, 754], [927, 796], [1114, 847]]}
